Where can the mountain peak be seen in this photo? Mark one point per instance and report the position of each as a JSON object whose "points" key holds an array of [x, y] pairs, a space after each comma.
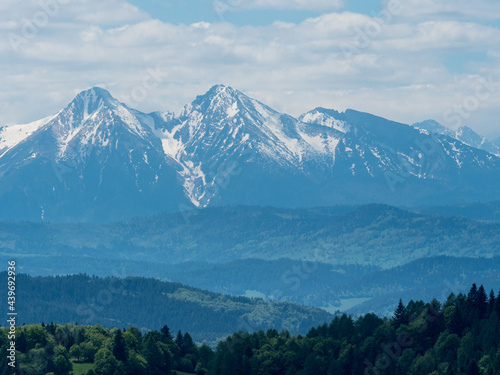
{"points": [[95, 94], [466, 131], [464, 134], [221, 91], [96, 91], [92, 100], [217, 87], [433, 126], [218, 98]]}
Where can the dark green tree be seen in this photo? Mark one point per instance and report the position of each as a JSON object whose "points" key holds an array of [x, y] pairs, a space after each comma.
{"points": [[481, 302], [179, 340], [80, 336], [105, 362], [472, 369], [153, 354], [62, 365], [491, 302], [76, 352], [21, 343], [400, 315], [119, 347], [167, 335], [136, 365], [189, 346]]}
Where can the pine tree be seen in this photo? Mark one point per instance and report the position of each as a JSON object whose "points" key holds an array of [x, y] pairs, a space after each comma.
{"points": [[167, 335], [472, 296], [471, 312], [51, 328], [119, 347], [491, 302], [188, 342], [400, 315], [179, 340], [152, 353], [481, 302], [472, 369]]}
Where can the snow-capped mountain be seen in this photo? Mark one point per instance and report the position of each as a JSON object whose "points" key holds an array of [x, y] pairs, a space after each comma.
{"points": [[463, 134], [98, 159], [95, 160], [225, 132]]}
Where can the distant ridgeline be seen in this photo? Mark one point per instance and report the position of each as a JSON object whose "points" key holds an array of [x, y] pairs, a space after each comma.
{"points": [[458, 337]]}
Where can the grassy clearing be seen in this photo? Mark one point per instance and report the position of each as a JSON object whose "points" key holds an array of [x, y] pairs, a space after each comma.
{"points": [[81, 368]]}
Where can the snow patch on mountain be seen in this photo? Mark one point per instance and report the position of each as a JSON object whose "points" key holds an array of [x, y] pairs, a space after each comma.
{"points": [[319, 116], [233, 110], [194, 183], [321, 143], [129, 119], [12, 135], [171, 146]]}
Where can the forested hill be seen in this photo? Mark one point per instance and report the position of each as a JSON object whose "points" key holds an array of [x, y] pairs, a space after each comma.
{"points": [[149, 304], [377, 235], [460, 337]]}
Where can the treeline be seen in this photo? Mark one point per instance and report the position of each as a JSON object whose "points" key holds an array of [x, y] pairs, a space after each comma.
{"points": [[459, 337], [462, 336], [56, 349]]}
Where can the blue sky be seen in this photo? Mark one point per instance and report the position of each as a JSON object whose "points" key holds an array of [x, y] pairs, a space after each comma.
{"points": [[192, 11], [407, 60]]}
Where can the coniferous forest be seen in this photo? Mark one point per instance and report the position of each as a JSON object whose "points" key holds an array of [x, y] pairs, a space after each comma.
{"points": [[460, 336]]}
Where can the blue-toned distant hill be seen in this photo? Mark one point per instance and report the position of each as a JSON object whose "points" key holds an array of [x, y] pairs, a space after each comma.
{"points": [[359, 258], [150, 304], [99, 160], [488, 211], [375, 235]]}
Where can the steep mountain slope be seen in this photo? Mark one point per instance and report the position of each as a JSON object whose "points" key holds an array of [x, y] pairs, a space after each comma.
{"points": [[11, 136], [98, 160], [236, 150], [384, 161], [95, 160]]}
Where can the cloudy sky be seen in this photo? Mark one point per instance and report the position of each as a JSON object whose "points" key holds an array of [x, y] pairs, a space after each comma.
{"points": [[407, 60]]}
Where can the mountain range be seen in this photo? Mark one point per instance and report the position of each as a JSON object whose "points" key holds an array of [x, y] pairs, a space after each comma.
{"points": [[463, 134], [99, 160]]}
